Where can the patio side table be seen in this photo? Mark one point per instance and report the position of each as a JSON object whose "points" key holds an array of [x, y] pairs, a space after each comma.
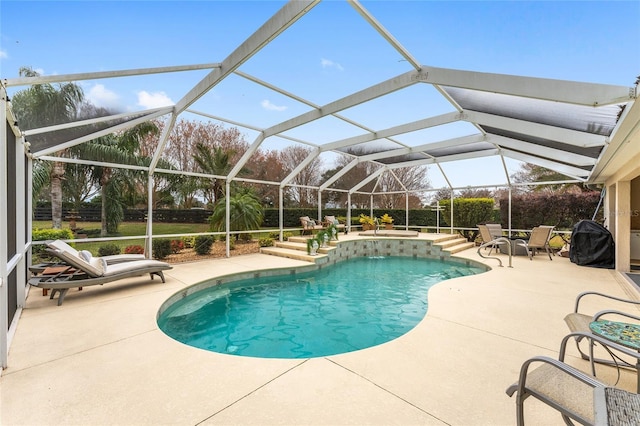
{"points": [[622, 333]]}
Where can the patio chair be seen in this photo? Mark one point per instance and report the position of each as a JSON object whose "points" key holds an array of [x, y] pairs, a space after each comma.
{"points": [[576, 395], [82, 273], [113, 259], [328, 220], [489, 232], [309, 225], [539, 239], [579, 322]]}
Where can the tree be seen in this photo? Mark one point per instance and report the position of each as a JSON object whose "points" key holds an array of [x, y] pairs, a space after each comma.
{"points": [[214, 162], [291, 157], [246, 213], [531, 173], [77, 185], [114, 183], [267, 166], [353, 177], [409, 178], [181, 151], [44, 105]]}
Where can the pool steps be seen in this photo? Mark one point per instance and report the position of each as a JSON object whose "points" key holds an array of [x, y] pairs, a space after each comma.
{"points": [[296, 247]]}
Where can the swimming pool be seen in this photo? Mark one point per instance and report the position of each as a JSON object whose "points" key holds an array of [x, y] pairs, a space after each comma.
{"points": [[349, 306]]}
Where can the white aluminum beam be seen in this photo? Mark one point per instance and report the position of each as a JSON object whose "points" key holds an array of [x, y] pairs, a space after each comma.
{"points": [[368, 179], [86, 138], [373, 92], [384, 33], [61, 78], [162, 142], [339, 174], [468, 155], [312, 156], [421, 149], [4, 230], [611, 159], [566, 170], [568, 136], [541, 151], [224, 120], [94, 163], [143, 113], [283, 19], [299, 99], [249, 126], [246, 156], [393, 131], [529, 87]]}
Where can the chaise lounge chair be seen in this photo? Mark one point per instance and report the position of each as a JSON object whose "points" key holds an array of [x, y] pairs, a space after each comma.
{"points": [[575, 394], [540, 236], [79, 272], [111, 260]]}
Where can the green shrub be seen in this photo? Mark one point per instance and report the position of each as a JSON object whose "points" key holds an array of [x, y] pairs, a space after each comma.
{"points": [[109, 249], [51, 234], [468, 213], [245, 237], [266, 242], [189, 242], [38, 251], [203, 244], [161, 248]]}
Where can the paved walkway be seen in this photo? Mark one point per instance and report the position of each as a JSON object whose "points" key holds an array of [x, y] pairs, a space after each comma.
{"points": [[101, 359]]}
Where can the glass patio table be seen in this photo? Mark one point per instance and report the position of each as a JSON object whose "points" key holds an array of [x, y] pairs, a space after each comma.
{"points": [[622, 333]]}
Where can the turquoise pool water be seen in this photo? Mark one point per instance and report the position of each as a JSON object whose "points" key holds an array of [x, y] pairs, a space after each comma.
{"points": [[353, 305]]}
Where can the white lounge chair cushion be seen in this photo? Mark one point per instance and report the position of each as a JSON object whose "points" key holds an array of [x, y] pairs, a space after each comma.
{"points": [[86, 255], [61, 245], [92, 270]]}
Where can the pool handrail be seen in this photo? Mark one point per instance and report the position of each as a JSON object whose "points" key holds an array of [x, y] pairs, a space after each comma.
{"points": [[492, 242]]}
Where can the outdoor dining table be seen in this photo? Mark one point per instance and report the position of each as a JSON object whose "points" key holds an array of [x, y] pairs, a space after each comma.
{"points": [[622, 333]]}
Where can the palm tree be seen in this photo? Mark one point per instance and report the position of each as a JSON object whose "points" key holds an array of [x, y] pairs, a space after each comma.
{"points": [[114, 183], [45, 105], [214, 162], [245, 213]]}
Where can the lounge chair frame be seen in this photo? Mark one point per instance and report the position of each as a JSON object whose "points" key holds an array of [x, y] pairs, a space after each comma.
{"points": [[74, 275], [579, 322], [539, 239]]}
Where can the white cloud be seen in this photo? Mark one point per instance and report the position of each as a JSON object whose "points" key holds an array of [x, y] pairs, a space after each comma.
{"points": [[266, 104], [153, 100], [100, 96], [3, 54], [328, 63]]}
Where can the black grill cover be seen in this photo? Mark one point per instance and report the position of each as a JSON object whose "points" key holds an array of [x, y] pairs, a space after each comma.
{"points": [[592, 245]]}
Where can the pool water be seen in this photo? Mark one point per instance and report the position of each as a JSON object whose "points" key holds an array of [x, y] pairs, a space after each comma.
{"points": [[352, 305]]}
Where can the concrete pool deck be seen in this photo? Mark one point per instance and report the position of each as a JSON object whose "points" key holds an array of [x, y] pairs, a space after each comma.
{"points": [[101, 359]]}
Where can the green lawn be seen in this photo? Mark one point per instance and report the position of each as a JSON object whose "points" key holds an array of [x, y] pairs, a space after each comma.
{"points": [[128, 229]]}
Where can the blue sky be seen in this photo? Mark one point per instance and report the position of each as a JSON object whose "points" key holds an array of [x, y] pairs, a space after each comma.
{"points": [[329, 53]]}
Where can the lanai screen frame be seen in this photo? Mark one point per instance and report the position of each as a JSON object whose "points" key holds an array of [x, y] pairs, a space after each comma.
{"points": [[560, 144], [564, 146]]}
